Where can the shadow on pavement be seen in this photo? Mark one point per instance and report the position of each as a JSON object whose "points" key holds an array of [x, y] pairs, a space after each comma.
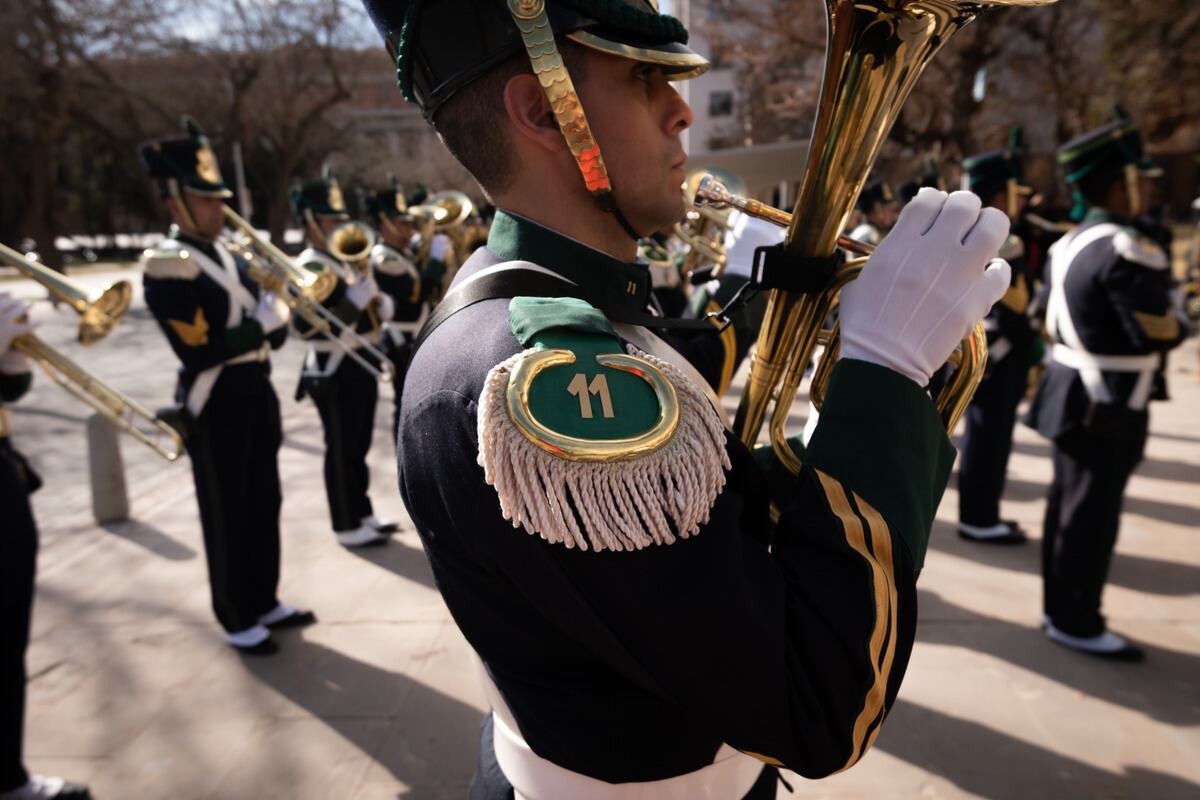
{"points": [[151, 538], [1154, 688], [399, 559], [424, 737], [1142, 574], [987, 763], [1028, 491]]}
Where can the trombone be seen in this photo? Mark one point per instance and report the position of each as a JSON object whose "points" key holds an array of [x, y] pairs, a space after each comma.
{"points": [[302, 292], [99, 315], [970, 358]]}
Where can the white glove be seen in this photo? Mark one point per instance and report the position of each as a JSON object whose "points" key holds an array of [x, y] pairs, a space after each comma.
{"points": [[386, 307], [11, 310], [440, 247], [361, 291], [270, 313], [926, 285]]}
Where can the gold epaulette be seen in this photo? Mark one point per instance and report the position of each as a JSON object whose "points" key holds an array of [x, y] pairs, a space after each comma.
{"points": [[170, 260]]}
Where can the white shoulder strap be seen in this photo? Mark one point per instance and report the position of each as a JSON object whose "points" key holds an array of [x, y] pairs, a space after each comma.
{"points": [[1058, 310], [226, 276]]}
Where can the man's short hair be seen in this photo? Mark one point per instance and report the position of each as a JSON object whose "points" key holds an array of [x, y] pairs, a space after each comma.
{"points": [[1095, 186], [473, 122]]}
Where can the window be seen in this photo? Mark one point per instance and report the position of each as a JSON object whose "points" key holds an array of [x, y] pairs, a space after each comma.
{"points": [[720, 104]]}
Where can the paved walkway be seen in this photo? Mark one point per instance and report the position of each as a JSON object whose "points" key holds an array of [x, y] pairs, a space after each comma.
{"points": [[132, 690]]}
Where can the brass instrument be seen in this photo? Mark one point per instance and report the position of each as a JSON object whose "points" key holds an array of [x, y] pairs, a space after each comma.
{"points": [[316, 285], [969, 359], [876, 51], [704, 227], [444, 212], [351, 242], [99, 313], [301, 291]]}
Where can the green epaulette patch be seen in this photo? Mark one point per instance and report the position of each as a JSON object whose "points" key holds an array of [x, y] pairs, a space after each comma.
{"points": [[170, 259], [592, 444]]}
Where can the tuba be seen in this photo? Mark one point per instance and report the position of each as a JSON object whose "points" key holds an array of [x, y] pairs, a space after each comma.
{"points": [[99, 315], [955, 395], [875, 52]]}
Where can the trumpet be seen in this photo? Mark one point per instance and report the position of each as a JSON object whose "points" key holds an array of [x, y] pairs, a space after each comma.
{"points": [[302, 292], [100, 314], [875, 53], [969, 358]]}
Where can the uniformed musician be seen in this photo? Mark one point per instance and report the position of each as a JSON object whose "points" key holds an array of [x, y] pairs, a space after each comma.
{"points": [[596, 532], [987, 439], [878, 207], [392, 263], [345, 394], [1110, 315], [18, 565], [222, 328]]}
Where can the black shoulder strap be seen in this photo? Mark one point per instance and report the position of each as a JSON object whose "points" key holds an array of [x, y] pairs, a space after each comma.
{"points": [[505, 283], [518, 282]]}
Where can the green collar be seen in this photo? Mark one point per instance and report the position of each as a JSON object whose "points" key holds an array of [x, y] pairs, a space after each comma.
{"points": [[615, 284]]}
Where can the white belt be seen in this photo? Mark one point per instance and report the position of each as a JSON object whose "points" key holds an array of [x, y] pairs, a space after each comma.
{"points": [[261, 354], [730, 777], [1082, 360], [1090, 365]]}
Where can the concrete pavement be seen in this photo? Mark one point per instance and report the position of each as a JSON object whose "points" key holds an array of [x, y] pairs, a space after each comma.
{"points": [[132, 690]]}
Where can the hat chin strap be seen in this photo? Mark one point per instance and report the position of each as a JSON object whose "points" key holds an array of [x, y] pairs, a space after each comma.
{"points": [[538, 37], [1133, 190], [184, 209]]}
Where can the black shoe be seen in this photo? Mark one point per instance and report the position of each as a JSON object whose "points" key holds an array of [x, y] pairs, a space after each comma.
{"points": [[267, 647], [297, 619], [1000, 533]]}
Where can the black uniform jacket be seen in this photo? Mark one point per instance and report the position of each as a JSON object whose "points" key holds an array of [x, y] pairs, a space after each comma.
{"points": [[1118, 293], [193, 309], [636, 666]]}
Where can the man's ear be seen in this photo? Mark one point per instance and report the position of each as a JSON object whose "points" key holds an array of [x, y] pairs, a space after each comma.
{"points": [[530, 113]]}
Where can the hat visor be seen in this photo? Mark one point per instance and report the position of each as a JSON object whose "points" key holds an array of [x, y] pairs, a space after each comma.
{"points": [[222, 193], [678, 61]]}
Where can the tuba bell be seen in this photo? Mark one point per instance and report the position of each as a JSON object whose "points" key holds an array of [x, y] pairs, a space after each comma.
{"points": [[875, 52]]}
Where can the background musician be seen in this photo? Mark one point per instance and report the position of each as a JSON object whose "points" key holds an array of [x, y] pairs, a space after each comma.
{"points": [[1111, 316], [223, 328], [345, 394], [18, 564], [1012, 344]]}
